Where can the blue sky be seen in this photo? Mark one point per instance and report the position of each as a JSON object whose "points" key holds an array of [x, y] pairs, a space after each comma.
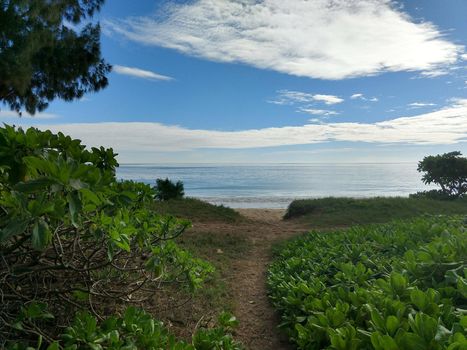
{"points": [[275, 81]]}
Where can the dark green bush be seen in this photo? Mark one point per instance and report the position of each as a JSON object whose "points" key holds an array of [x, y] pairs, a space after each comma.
{"points": [[166, 190], [73, 238], [299, 208], [433, 194]]}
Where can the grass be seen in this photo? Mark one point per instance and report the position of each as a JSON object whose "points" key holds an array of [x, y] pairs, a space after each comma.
{"points": [[334, 212], [221, 250], [182, 311], [202, 308], [197, 210]]}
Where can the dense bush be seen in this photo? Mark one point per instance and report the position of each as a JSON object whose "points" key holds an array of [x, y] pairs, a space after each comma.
{"points": [[341, 211], [396, 286], [432, 194], [73, 238], [166, 190]]}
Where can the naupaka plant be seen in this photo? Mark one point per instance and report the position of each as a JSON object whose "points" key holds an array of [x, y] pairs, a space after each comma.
{"points": [[72, 237]]}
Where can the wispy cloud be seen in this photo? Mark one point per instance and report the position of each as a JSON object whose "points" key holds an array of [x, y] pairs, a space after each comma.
{"points": [[362, 37], [445, 126], [363, 98], [24, 115], [434, 73], [322, 112], [421, 104], [292, 97], [139, 73]]}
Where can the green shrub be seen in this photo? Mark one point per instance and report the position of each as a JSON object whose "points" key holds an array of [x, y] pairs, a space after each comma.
{"points": [[135, 329], [432, 194], [196, 210], [397, 286], [73, 238], [342, 211], [166, 190]]}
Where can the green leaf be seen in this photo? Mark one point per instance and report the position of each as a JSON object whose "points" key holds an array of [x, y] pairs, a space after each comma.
{"points": [[392, 324], [77, 184], [15, 227], [37, 311], [74, 206], [41, 235], [35, 185], [89, 195], [398, 282], [377, 319], [424, 326], [383, 342], [419, 299], [53, 346], [37, 164], [411, 341]]}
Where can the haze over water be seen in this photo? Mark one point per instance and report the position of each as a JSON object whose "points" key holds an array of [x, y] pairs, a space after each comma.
{"points": [[275, 186]]}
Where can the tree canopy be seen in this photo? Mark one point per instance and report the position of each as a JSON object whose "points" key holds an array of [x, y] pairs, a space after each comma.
{"points": [[448, 170], [49, 49]]}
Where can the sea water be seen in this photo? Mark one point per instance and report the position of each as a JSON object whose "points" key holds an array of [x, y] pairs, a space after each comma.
{"points": [[275, 186]]}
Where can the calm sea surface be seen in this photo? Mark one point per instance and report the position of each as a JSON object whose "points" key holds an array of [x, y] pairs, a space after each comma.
{"points": [[275, 186]]}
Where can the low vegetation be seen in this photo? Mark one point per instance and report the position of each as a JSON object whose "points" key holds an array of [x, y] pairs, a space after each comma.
{"points": [[334, 212], [396, 286], [197, 210]]}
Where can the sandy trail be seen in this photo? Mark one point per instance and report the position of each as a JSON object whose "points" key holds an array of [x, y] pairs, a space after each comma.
{"points": [[258, 320]]}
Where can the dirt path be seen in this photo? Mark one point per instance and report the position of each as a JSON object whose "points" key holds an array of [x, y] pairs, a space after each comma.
{"points": [[258, 321]]}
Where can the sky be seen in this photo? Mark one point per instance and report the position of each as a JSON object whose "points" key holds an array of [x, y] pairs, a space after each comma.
{"points": [[273, 81]]}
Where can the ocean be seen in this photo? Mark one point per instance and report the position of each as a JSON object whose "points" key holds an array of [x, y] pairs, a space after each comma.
{"points": [[275, 186]]}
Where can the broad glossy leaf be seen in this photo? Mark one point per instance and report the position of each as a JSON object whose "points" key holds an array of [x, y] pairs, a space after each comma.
{"points": [[15, 227], [36, 185], [74, 207], [41, 235]]}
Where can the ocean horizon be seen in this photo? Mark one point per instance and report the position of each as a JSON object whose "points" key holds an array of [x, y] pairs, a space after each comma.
{"points": [[274, 186]]}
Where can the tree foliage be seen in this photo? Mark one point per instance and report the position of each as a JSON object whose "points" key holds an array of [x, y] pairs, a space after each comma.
{"points": [[72, 238], [43, 54], [448, 170], [166, 190]]}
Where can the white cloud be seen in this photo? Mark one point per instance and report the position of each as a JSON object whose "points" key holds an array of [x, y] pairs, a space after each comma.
{"points": [[328, 39], [421, 104], [11, 114], [464, 56], [292, 97], [312, 111], [328, 99], [139, 73], [363, 98], [445, 126], [434, 73]]}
